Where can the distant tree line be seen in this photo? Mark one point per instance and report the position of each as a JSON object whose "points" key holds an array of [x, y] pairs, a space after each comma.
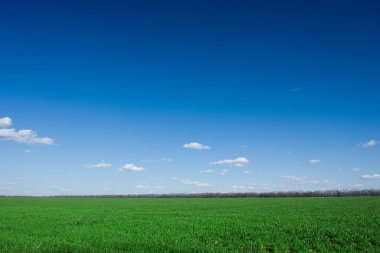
{"points": [[282, 194]]}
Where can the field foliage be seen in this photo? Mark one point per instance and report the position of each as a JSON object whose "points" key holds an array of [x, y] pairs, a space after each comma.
{"points": [[346, 224]]}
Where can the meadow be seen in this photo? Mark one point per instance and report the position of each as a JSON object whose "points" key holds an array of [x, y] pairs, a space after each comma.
{"points": [[320, 224]]}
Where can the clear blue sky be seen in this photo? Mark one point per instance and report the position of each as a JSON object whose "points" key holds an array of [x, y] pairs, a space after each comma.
{"points": [[188, 96]]}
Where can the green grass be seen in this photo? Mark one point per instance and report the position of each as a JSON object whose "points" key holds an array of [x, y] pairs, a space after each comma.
{"points": [[349, 224]]}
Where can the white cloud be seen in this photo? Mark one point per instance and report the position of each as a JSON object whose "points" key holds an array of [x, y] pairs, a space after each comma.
{"points": [[240, 161], [131, 167], [257, 187], [314, 161], [195, 145], [247, 172], [371, 177], [356, 169], [23, 136], [28, 151], [7, 186], [191, 182], [65, 189], [223, 172], [208, 171], [142, 187], [240, 188], [5, 122], [304, 180], [195, 183], [370, 143], [101, 165], [200, 184], [220, 172], [165, 160]]}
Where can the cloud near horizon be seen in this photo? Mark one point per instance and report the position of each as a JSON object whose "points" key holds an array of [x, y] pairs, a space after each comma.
{"points": [[304, 180], [131, 167], [195, 183], [196, 146], [191, 182], [219, 172], [371, 176], [240, 161], [101, 165], [370, 143], [23, 136]]}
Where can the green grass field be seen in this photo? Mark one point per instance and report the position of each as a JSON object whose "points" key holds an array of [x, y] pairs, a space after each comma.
{"points": [[349, 224]]}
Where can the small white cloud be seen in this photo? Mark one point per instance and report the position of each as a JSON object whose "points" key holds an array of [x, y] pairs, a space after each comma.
{"points": [[131, 167], [65, 189], [101, 165], [304, 180], [223, 172], [370, 143], [142, 187], [28, 151], [247, 172], [374, 176], [356, 169], [5, 122], [200, 184], [315, 161], [208, 171], [240, 188], [158, 187], [195, 183], [7, 186], [165, 160], [23, 136], [220, 172], [191, 182], [260, 187], [158, 160], [240, 161], [195, 145]]}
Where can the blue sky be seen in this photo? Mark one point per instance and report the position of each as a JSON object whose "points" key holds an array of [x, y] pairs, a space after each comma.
{"points": [[188, 96]]}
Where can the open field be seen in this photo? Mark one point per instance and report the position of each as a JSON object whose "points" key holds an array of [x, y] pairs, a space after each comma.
{"points": [[347, 224]]}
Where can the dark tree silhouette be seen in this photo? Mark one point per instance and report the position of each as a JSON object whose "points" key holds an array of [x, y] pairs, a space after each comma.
{"points": [[283, 194]]}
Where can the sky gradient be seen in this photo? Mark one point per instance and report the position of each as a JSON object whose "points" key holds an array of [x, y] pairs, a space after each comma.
{"points": [[188, 96]]}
